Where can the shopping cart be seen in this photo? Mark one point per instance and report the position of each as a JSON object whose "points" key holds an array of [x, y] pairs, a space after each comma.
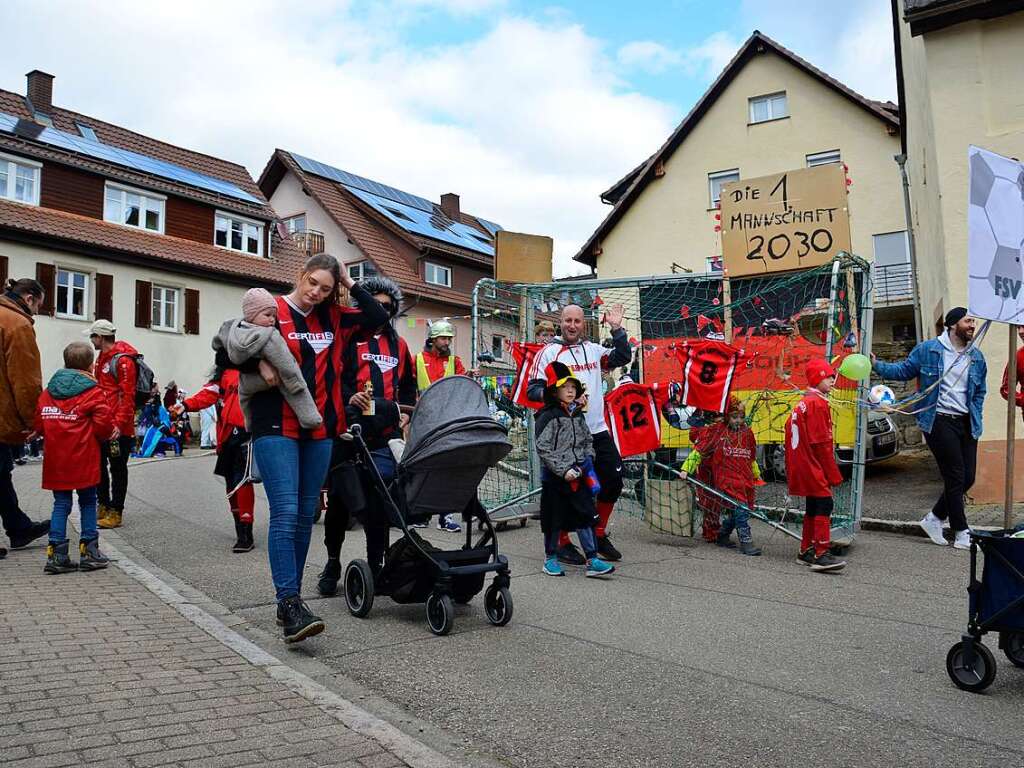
{"points": [[995, 604]]}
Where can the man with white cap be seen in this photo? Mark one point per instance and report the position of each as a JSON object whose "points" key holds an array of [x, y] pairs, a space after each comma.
{"points": [[116, 372]]}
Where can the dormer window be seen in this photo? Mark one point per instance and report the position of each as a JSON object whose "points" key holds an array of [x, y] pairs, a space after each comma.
{"points": [[19, 179], [134, 208], [87, 132], [771, 107], [238, 234]]}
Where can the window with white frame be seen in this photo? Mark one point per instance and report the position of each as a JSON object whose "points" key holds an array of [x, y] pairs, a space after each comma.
{"points": [[238, 234], [72, 301], [498, 347], [296, 223], [770, 107], [361, 270], [19, 179], [823, 158], [165, 308], [717, 180], [134, 208], [435, 274]]}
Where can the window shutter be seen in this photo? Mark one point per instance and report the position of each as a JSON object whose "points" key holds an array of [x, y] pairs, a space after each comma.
{"points": [[143, 304], [46, 274], [3, 273], [104, 297], [191, 311]]}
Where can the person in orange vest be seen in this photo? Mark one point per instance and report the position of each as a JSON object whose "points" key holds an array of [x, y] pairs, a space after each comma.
{"points": [[435, 362]]}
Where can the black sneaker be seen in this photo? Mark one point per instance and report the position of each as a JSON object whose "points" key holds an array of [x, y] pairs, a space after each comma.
{"points": [[33, 532], [3, 552], [725, 541], [243, 538], [570, 555], [328, 584], [607, 550], [299, 621], [748, 548], [806, 557], [828, 562], [90, 558]]}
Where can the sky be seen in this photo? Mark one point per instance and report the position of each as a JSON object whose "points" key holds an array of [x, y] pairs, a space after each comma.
{"points": [[527, 110]]}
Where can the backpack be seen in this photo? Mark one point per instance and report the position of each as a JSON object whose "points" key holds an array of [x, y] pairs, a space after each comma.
{"points": [[144, 377]]}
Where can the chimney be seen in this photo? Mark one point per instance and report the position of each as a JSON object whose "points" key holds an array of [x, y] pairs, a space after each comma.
{"points": [[450, 206], [40, 91]]}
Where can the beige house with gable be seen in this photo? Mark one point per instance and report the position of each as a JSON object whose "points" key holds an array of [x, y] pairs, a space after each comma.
{"points": [[767, 112]]}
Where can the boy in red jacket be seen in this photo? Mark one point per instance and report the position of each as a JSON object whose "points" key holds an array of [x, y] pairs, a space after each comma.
{"points": [[811, 469], [73, 418]]}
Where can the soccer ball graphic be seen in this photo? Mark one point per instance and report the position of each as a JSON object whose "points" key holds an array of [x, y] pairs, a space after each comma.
{"points": [[504, 419], [995, 224], [882, 395]]}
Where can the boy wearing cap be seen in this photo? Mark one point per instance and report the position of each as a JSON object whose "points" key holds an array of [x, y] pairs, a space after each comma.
{"points": [[811, 469], [950, 373], [566, 450], [116, 373]]}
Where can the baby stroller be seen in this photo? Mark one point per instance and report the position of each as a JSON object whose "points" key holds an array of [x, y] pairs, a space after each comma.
{"points": [[995, 604], [453, 441]]}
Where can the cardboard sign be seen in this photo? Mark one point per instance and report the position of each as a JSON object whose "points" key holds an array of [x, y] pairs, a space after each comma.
{"points": [[995, 237], [520, 258], [785, 221]]}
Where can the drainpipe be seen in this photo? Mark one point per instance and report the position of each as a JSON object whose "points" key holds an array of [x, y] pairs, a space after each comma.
{"points": [[901, 161]]}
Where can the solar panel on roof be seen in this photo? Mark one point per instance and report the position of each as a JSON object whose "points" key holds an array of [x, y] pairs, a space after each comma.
{"points": [[359, 182], [123, 157], [490, 226]]}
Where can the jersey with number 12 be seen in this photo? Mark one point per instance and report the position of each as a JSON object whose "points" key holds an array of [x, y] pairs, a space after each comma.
{"points": [[632, 416], [708, 370]]}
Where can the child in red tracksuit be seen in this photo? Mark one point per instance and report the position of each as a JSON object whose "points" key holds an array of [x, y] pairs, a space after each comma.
{"points": [[73, 418], [233, 446], [811, 469]]}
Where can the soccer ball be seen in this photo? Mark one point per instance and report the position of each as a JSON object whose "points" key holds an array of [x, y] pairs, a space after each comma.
{"points": [[504, 419], [882, 395]]}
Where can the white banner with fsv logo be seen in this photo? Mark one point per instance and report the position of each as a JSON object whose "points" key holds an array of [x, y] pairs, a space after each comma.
{"points": [[995, 237]]}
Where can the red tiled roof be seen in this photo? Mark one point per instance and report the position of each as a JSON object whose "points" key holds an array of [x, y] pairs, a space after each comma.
{"points": [[382, 243], [113, 240], [755, 44], [116, 136]]}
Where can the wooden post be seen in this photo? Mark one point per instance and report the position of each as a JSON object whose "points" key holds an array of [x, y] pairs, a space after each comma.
{"points": [[727, 304], [1011, 425]]}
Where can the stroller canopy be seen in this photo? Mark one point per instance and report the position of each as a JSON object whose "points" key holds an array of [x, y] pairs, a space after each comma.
{"points": [[453, 441]]}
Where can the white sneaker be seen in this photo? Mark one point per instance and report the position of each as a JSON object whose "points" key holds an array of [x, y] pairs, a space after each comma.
{"points": [[933, 527], [962, 540]]}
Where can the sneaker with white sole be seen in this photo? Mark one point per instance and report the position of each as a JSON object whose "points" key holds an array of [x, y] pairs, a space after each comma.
{"points": [[962, 540], [598, 567], [552, 567], [447, 523], [932, 526]]}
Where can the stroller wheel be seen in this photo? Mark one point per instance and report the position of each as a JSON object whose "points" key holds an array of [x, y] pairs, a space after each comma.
{"points": [[359, 588], [1013, 647], [978, 675], [440, 613], [498, 605]]}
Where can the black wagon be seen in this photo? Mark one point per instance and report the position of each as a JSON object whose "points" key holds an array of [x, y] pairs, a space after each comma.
{"points": [[453, 442], [996, 604]]}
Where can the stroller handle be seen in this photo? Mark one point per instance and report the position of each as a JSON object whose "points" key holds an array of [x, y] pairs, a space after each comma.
{"points": [[356, 430]]}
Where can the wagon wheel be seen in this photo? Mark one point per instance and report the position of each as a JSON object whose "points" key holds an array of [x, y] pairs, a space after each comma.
{"points": [[1013, 647], [975, 677], [440, 613], [359, 588]]}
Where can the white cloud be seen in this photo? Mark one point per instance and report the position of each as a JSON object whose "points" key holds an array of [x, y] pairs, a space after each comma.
{"points": [[649, 56], [703, 61], [528, 123]]}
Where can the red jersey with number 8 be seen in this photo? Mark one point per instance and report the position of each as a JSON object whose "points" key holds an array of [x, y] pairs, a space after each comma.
{"points": [[632, 417], [708, 370]]}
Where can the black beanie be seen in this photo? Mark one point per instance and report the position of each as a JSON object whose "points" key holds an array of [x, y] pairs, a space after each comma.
{"points": [[954, 316]]}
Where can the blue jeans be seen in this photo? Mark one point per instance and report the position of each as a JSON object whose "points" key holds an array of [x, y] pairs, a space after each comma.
{"points": [[737, 519], [62, 509], [293, 473], [587, 540]]}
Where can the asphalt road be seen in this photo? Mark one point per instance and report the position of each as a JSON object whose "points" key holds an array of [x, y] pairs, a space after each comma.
{"points": [[689, 655]]}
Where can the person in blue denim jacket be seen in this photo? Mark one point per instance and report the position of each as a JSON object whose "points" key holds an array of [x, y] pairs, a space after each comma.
{"points": [[950, 377]]}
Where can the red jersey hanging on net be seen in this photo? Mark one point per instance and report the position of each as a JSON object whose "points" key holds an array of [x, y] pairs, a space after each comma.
{"points": [[632, 416], [523, 354], [708, 371]]}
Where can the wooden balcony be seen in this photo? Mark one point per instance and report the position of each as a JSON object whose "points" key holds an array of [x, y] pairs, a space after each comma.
{"points": [[309, 241]]}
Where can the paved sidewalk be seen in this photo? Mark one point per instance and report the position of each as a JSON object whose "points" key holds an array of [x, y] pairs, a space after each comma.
{"points": [[95, 668]]}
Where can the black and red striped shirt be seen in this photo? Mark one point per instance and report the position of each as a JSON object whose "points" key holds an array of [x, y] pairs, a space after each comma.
{"points": [[384, 360], [317, 340]]}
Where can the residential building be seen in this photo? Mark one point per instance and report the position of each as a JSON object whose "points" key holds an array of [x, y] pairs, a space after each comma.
{"points": [[163, 241], [962, 75], [434, 251], [768, 111]]}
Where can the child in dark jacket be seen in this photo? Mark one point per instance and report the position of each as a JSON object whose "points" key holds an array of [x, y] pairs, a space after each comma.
{"points": [[566, 450], [73, 417]]}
